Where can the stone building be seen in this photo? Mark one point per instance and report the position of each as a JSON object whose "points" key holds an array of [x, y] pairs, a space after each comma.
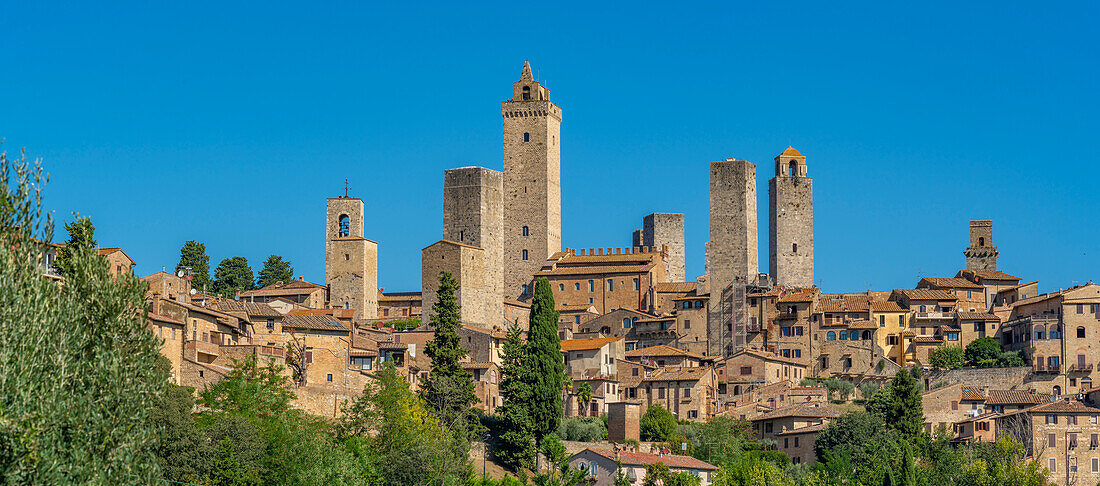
{"points": [[351, 261], [1057, 332], [731, 253], [466, 263], [532, 182], [689, 392], [603, 466], [1063, 436], [620, 278], [665, 230], [118, 262], [168, 286], [791, 228], [299, 292], [399, 305], [981, 254]]}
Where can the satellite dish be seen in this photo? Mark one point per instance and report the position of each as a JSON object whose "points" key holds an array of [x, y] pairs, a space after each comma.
{"points": [[193, 291], [179, 273]]}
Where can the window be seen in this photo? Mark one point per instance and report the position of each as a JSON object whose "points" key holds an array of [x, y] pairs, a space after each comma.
{"points": [[901, 320], [525, 254], [576, 285], [329, 378], [843, 335], [345, 224], [634, 372], [561, 287], [786, 444], [768, 427], [591, 287], [1095, 464], [271, 324], [746, 370], [796, 441], [794, 247], [526, 137], [952, 336], [1052, 463], [576, 319], [882, 321], [687, 392], [969, 294], [526, 231], [1080, 332], [1080, 309], [593, 468], [661, 392], [687, 323], [830, 336], [610, 285], [637, 284]]}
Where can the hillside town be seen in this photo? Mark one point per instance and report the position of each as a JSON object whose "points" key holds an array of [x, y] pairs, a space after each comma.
{"points": [[745, 341]]}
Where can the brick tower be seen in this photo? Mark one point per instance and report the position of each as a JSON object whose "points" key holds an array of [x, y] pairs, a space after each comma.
{"points": [[351, 261], [532, 182], [791, 229], [981, 255]]}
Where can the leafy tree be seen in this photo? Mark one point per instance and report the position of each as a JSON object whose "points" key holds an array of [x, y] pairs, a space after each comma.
{"points": [[657, 424], [81, 236], [516, 444], [232, 275], [193, 256], [899, 405], [983, 352], [403, 324], [1010, 358], [449, 389], [181, 449], [583, 429], [659, 474], [250, 389], [947, 357], [78, 364], [839, 389], [584, 397], [850, 432], [720, 440], [868, 389], [275, 269], [544, 358]]}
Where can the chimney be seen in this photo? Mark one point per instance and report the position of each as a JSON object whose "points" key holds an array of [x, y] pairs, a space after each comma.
{"points": [[301, 278]]}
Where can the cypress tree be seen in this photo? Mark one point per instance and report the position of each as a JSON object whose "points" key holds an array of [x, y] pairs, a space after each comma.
{"points": [[547, 366], [449, 388], [516, 444], [193, 255]]}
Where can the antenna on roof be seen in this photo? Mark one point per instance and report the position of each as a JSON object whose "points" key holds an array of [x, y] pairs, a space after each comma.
{"points": [[345, 187]]}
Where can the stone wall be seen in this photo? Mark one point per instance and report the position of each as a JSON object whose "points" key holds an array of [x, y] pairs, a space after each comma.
{"points": [[351, 261], [473, 214], [992, 378], [981, 254], [467, 265], [791, 228], [666, 230], [732, 249], [623, 422]]}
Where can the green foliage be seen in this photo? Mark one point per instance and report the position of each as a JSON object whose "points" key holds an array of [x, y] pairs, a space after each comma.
{"points": [[449, 389], [584, 396], [81, 237], [515, 446], [839, 389], [193, 256], [582, 429], [947, 357], [78, 366], [869, 388], [657, 424], [659, 474], [403, 324], [544, 359], [232, 275], [983, 352], [275, 269], [899, 405], [251, 390], [182, 450], [720, 440], [1009, 359]]}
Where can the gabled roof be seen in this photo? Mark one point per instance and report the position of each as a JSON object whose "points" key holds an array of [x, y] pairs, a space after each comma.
{"points": [[926, 294], [1014, 397], [166, 319], [1064, 406], [987, 274], [587, 344], [953, 283], [766, 356], [886, 306], [661, 350], [815, 410], [801, 295], [678, 287], [678, 373], [804, 430], [791, 152], [978, 316], [249, 308], [673, 461], [322, 323], [972, 395], [297, 287]]}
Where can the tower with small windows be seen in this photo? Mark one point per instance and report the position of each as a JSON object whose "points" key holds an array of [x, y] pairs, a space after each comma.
{"points": [[532, 182], [981, 254], [351, 261], [791, 228]]}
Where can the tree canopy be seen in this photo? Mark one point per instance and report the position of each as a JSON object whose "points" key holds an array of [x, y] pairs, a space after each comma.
{"points": [[547, 366], [275, 269], [232, 275], [983, 352], [657, 423], [193, 256], [81, 237], [449, 388]]}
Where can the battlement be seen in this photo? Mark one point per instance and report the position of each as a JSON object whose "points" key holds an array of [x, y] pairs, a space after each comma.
{"points": [[637, 250]]}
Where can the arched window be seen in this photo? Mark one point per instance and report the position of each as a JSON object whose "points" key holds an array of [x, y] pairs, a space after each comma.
{"points": [[626, 322], [855, 336], [1057, 390], [492, 376], [794, 247], [698, 304], [526, 137], [736, 389], [1080, 332], [1040, 331], [843, 335], [981, 241], [345, 225], [866, 334], [792, 168], [526, 231], [830, 336], [1055, 331], [526, 92], [524, 254]]}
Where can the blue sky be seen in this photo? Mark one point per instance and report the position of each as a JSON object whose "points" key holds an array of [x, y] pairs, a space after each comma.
{"points": [[231, 124]]}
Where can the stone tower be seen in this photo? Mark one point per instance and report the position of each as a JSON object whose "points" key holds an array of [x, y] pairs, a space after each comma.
{"points": [[473, 225], [981, 255], [731, 253], [351, 261], [532, 182], [665, 229], [791, 228]]}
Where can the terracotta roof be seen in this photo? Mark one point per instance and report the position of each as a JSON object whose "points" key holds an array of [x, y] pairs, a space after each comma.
{"points": [[363, 353], [107, 251], [673, 461], [886, 306], [477, 365], [953, 282], [675, 286], [517, 303], [804, 295], [587, 344], [978, 316], [390, 345], [995, 275], [660, 350], [804, 430], [1016, 287], [973, 394], [926, 294], [160, 318], [862, 325], [928, 339], [336, 313], [1064, 406], [1040, 298], [322, 323], [400, 296], [595, 269], [250, 308], [678, 373], [1014, 397], [801, 410], [297, 287], [791, 152], [767, 356], [807, 390]]}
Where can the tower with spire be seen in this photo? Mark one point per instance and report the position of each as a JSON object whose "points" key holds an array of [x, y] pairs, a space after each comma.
{"points": [[791, 228], [532, 182]]}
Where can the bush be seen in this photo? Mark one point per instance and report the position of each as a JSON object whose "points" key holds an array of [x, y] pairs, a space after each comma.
{"points": [[983, 352], [657, 424], [947, 357], [868, 389], [582, 429]]}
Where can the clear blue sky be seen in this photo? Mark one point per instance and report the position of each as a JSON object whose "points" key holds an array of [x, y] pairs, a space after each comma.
{"points": [[230, 125]]}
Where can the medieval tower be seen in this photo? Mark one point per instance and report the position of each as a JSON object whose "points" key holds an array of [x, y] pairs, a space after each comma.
{"points": [[532, 182], [731, 253], [791, 228], [665, 229], [351, 261], [981, 255]]}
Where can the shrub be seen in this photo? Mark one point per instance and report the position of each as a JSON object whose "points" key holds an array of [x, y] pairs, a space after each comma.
{"points": [[582, 429], [657, 424]]}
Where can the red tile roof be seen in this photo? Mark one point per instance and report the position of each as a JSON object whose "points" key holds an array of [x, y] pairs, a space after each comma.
{"points": [[642, 459], [791, 152], [1014, 397], [160, 318], [1064, 406], [661, 350], [953, 283], [804, 430], [816, 410], [587, 344]]}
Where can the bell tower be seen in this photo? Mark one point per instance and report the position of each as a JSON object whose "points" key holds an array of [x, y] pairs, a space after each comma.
{"points": [[981, 254], [532, 182], [351, 261], [791, 228]]}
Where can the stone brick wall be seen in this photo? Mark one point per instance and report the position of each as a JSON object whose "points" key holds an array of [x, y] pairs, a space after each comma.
{"points": [[623, 422], [473, 214], [532, 183], [351, 262], [981, 254], [666, 229], [791, 228], [467, 265], [732, 249]]}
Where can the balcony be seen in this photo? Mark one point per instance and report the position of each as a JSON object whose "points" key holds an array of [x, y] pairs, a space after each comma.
{"points": [[1047, 369], [192, 348], [787, 315], [1080, 367], [936, 315], [1030, 320]]}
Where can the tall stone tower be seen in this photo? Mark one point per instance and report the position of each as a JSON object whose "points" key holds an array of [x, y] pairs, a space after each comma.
{"points": [[472, 249], [532, 182], [665, 229], [791, 229], [981, 255], [351, 261], [731, 253]]}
